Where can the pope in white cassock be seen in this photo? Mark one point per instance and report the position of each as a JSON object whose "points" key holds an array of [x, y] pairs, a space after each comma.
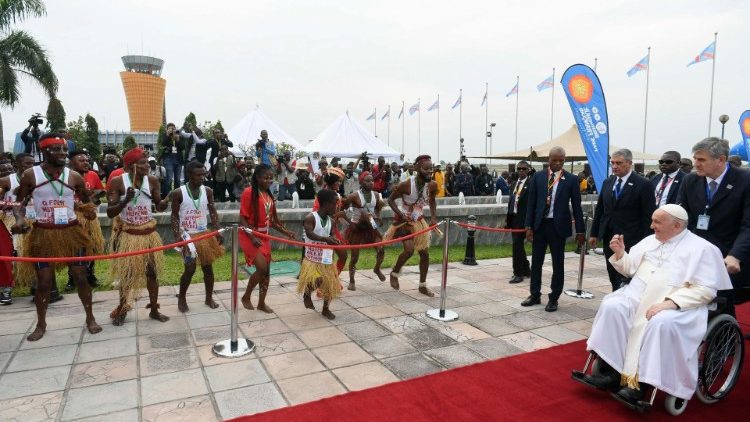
{"points": [[649, 331]]}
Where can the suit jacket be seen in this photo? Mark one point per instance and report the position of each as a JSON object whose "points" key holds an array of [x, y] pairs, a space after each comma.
{"points": [[630, 215], [729, 224], [568, 195], [672, 195], [519, 219]]}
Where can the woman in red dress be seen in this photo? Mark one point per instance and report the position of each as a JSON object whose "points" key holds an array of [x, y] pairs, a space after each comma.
{"points": [[258, 213]]}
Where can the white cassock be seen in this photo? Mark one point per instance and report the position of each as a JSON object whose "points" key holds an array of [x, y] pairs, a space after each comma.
{"points": [[663, 351]]}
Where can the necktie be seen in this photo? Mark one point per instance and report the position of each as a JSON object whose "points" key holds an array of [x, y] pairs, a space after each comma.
{"points": [[663, 186], [550, 186], [516, 194], [712, 190], [618, 188]]}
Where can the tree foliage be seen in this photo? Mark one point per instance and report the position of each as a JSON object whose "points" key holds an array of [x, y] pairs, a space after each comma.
{"points": [[190, 121], [128, 143], [55, 115], [85, 133], [159, 141]]}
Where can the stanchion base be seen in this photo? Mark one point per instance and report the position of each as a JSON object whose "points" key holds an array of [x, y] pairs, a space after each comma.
{"points": [[448, 315], [580, 294], [469, 261], [224, 348]]}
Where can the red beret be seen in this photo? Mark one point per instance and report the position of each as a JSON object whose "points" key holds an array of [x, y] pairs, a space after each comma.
{"points": [[133, 155]]}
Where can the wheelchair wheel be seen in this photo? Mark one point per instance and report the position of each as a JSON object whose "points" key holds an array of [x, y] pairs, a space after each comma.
{"points": [[674, 405], [719, 359]]}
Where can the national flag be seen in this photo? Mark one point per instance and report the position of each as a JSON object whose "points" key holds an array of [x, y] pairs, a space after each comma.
{"points": [[401, 113], [413, 109], [707, 54], [547, 83], [434, 105], [387, 113], [458, 102], [641, 65], [512, 91], [484, 99], [371, 117]]}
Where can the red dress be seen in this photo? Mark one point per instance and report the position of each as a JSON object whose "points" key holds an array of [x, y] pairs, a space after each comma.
{"points": [[6, 249], [266, 208]]}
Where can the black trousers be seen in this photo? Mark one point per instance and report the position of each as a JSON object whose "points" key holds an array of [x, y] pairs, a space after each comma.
{"points": [[520, 261], [547, 236], [220, 193]]}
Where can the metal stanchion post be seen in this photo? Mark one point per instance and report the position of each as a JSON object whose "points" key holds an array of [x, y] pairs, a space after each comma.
{"points": [[234, 347], [578, 291], [443, 314], [469, 256]]}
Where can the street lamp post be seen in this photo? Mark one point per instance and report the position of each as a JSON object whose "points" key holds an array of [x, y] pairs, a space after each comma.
{"points": [[489, 140], [723, 119]]}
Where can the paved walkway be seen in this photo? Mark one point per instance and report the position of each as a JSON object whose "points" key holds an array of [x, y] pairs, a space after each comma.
{"points": [[146, 370]]}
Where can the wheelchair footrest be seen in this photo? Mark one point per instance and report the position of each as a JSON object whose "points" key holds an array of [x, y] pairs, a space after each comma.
{"points": [[641, 406]]}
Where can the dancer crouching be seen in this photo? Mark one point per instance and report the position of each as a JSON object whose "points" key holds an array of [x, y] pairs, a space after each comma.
{"points": [[364, 225]]}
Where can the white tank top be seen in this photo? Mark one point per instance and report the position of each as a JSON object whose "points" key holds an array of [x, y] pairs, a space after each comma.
{"points": [[138, 210], [319, 255], [193, 211], [367, 207], [51, 196], [413, 203], [10, 196]]}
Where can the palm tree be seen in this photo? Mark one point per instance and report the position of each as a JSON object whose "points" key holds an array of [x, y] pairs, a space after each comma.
{"points": [[21, 54]]}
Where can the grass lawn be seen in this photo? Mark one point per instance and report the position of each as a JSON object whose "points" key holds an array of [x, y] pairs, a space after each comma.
{"points": [[222, 268]]}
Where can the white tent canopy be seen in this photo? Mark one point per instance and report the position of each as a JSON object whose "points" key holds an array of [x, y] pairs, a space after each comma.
{"points": [[247, 131], [345, 138]]}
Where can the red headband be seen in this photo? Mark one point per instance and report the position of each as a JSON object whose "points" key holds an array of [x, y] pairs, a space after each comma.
{"points": [[132, 156], [362, 176], [51, 141]]}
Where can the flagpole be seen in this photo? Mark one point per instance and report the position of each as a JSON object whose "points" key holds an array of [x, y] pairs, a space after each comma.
{"points": [[713, 71], [486, 117], [438, 129], [552, 108], [460, 113], [419, 126], [389, 125], [645, 112], [376, 121], [596, 62], [515, 144], [403, 120]]}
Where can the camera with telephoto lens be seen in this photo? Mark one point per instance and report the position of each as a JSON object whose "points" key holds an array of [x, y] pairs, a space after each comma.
{"points": [[36, 119]]}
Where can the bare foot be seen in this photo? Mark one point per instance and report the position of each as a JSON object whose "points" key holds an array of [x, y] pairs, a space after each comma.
{"points": [[247, 303], [211, 304], [328, 314], [37, 334], [265, 308], [351, 286], [94, 327], [119, 319], [182, 305], [307, 300], [394, 281], [425, 291], [154, 314], [380, 274]]}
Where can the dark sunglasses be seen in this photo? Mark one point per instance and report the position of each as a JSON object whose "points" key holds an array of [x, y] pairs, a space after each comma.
{"points": [[666, 161], [522, 169]]}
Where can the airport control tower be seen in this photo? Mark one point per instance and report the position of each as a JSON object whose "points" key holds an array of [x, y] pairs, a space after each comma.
{"points": [[144, 92]]}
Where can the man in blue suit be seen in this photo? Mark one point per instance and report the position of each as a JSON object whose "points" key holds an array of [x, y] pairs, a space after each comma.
{"points": [[548, 223]]}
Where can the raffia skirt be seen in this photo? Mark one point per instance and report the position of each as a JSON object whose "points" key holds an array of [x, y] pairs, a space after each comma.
{"points": [[207, 250], [129, 274], [309, 274], [362, 234], [398, 230], [66, 241]]}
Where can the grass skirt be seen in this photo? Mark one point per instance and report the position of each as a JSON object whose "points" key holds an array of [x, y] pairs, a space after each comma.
{"points": [[309, 274], [208, 250], [397, 230], [361, 234], [55, 243], [130, 274], [94, 230]]}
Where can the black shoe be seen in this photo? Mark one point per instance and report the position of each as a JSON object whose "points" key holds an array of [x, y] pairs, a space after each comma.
{"points": [[515, 279], [551, 305], [5, 296], [631, 395], [607, 381], [55, 296], [532, 300], [70, 287]]}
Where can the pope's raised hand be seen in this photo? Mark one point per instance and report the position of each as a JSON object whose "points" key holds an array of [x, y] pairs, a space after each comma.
{"points": [[617, 244]]}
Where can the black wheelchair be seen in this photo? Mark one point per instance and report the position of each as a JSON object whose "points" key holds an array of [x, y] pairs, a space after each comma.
{"points": [[720, 357]]}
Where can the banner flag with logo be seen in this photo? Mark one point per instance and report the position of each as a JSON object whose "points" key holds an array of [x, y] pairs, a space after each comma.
{"points": [[745, 130], [586, 99]]}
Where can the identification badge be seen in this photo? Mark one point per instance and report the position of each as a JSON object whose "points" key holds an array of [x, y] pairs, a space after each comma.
{"points": [[486, 185], [703, 220], [202, 223], [302, 187], [327, 257], [61, 215], [30, 212], [174, 150]]}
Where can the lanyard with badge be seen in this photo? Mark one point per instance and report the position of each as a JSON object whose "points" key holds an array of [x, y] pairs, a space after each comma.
{"points": [[327, 255], [140, 190], [60, 211], [201, 220], [704, 218]]}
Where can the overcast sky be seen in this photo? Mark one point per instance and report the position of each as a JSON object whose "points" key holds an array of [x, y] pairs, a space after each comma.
{"points": [[305, 63]]}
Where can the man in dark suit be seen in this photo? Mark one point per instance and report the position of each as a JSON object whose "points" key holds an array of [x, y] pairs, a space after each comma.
{"points": [[516, 219], [667, 184], [717, 199], [624, 207], [548, 223]]}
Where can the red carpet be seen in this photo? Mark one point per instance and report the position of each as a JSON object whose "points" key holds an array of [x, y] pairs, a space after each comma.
{"points": [[531, 386]]}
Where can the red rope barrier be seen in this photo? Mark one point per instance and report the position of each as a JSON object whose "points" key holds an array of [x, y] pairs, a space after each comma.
{"points": [[490, 229], [112, 256], [368, 245]]}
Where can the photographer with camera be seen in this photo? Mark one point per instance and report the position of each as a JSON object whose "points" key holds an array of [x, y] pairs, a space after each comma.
{"points": [[30, 137], [265, 150], [287, 177], [173, 154]]}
